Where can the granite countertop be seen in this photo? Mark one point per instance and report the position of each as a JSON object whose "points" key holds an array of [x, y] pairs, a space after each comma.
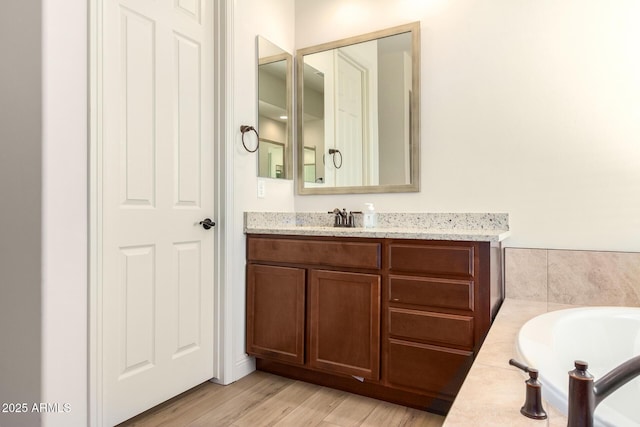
{"points": [[493, 392], [487, 227]]}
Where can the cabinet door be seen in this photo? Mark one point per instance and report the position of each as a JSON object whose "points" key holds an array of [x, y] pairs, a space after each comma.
{"points": [[275, 313], [426, 367], [344, 323]]}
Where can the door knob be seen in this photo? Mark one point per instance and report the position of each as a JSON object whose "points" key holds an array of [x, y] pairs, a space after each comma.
{"points": [[207, 223]]}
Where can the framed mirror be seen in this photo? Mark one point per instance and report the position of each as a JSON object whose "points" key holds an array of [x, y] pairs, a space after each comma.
{"points": [[358, 109], [275, 71]]}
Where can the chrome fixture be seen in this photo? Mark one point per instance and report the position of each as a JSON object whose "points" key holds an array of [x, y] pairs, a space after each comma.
{"points": [[244, 129], [585, 393], [343, 219], [333, 152], [532, 407]]}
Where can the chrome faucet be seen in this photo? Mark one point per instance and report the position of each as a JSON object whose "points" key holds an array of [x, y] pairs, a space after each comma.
{"points": [[342, 218], [585, 393]]}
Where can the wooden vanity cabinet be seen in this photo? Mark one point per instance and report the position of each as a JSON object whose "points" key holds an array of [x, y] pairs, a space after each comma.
{"points": [[297, 299], [395, 319]]}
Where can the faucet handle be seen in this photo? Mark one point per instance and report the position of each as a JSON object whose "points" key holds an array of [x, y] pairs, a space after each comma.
{"points": [[532, 407], [351, 221], [514, 362], [337, 220]]}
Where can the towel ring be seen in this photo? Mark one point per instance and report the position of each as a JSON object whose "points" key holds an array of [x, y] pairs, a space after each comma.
{"points": [[333, 152], [244, 129]]}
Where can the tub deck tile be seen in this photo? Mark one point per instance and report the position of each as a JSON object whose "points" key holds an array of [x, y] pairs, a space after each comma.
{"points": [[494, 391]]}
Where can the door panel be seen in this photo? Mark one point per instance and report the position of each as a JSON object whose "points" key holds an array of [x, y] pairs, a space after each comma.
{"points": [[187, 139], [188, 290], [137, 320], [350, 82], [137, 93], [156, 295]]}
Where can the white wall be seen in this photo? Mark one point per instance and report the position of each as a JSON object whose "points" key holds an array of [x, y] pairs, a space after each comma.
{"points": [[272, 21], [530, 108], [65, 210], [43, 245]]}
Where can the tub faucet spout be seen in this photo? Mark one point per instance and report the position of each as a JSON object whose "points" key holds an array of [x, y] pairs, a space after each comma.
{"points": [[585, 393]]}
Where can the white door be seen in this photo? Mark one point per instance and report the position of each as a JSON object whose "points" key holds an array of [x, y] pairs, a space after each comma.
{"points": [[350, 126], [157, 184]]}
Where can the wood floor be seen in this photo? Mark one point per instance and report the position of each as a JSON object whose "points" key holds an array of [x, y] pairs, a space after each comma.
{"points": [[262, 399]]}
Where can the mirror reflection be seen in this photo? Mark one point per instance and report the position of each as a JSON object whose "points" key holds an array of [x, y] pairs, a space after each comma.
{"points": [[274, 111], [356, 106]]}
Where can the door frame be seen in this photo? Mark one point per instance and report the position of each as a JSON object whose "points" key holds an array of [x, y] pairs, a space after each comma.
{"points": [[223, 202]]}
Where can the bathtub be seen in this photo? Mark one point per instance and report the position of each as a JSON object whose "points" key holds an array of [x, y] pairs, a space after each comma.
{"points": [[602, 336]]}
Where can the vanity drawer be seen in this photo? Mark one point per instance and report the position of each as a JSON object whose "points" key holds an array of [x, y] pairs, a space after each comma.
{"points": [[445, 293], [441, 328], [315, 252], [431, 259], [427, 368]]}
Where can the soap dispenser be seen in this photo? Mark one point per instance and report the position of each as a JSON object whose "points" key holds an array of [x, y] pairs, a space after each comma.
{"points": [[370, 220]]}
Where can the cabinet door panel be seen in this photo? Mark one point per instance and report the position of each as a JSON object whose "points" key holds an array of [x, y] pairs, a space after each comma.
{"points": [[344, 328], [429, 368], [275, 313]]}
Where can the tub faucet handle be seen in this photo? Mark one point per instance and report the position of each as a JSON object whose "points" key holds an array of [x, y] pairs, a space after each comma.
{"points": [[532, 407]]}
